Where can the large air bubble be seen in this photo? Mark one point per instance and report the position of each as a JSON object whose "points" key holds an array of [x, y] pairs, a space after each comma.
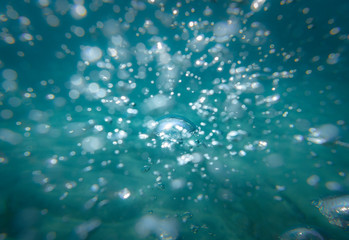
{"points": [[335, 209], [175, 129], [301, 234]]}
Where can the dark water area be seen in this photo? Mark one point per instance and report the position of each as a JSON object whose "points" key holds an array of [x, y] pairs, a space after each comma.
{"points": [[174, 119]]}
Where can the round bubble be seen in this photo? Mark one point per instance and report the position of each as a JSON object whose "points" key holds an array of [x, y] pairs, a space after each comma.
{"points": [[174, 128], [301, 234]]}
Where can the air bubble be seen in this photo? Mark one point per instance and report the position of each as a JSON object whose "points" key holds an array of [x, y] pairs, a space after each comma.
{"points": [[326, 133], [335, 209], [301, 234], [173, 129]]}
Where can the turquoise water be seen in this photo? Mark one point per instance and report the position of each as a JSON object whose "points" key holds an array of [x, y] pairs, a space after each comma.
{"points": [[174, 119]]}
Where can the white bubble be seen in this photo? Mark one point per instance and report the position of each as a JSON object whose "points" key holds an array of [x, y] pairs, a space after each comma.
{"points": [[138, 5], [198, 43], [52, 20], [44, 3], [9, 85], [104, 75], [9, 74], [76, 80], [78, 11], [101, 93], [333, 186], [124, 193], [223, 31], [236, 135], [42, 128], [233, 109], [92, 144], [93, 87], [146, 225], [123, 74], [9, 136], [91, 54], [74, 94], [130, 15], [78, 31], [186, 158], [177, 183], [313, 180], [164, 229], [257, 5]]}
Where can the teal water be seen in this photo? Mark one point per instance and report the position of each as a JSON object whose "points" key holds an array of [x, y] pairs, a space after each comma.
{"points": [[253, 95]]}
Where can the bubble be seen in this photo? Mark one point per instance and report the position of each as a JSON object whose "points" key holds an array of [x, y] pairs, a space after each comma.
{"points": [[6, 114], [164, 229], [207, 11], [78, 11], [333, 186], [224, 30], [233, 109], [124, 193], [236, 135], [82, 231], [9, 74], [174, 128], [52, 20], [198, 43], [146, 225], [91, 54], [333, 58], [44, 3], [313, 180], [326, 133], [301, 234], [92, 144], [9, 136], [257, 5], [256, 34], [177, 184], [9, 86], [186, 158], [335, 209]]}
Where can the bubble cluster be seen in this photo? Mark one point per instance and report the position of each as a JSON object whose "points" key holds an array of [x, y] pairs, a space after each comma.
{"points": [[155, 119]]}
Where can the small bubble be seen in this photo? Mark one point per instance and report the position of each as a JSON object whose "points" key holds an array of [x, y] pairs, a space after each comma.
{"points": [[6, 114]]}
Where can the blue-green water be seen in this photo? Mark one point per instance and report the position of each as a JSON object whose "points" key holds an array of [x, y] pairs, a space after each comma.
{"points": [[174, 119]]}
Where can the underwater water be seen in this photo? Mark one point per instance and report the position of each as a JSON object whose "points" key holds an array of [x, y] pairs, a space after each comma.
{"points": [[163, 119]]}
